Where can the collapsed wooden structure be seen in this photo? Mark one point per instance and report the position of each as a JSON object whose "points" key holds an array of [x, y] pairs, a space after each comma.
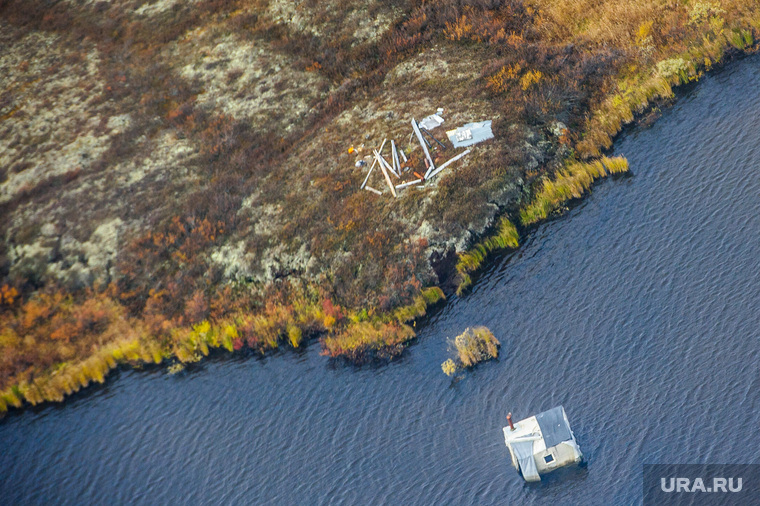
{"points": [[396, 168]]}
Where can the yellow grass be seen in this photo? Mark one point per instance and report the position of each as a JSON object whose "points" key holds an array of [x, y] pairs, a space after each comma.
{"points": [[506, 237], [380, 335], [449, 367], [571, 182], [191, 344], [474, 345]]}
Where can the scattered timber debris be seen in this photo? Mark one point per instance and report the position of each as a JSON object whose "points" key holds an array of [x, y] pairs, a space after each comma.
{"points": [[392, 164], [431, 165], [410, 183], [385, 172], [373, 165]]}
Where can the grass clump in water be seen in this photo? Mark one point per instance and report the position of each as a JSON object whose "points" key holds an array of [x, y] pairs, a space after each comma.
{"points": [[176, 368], [472, 346], [571, 182], [449, 367]]}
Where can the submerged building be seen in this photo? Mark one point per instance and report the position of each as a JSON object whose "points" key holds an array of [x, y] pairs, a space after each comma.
{"points": [[541, 443]]}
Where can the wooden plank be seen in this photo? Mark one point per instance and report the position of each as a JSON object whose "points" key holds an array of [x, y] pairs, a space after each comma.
{"points": [[403, 155], [410, 183], [369, 188], [367, 178], [388, 166], [373, 166], [382, 146], [460, 155], [394, 158], [424, 147], [385, 173]]}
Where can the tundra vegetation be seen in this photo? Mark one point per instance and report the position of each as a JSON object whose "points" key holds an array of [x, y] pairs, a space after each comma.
{"points": [[471, 347], [174, 175]]}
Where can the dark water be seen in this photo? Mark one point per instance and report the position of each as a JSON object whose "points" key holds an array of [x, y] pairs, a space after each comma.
{"points": [[638, 311]]}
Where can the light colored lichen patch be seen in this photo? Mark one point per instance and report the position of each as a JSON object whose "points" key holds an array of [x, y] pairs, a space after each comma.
{"points": [[360, 21], [79, 229], [153, 8], [238, 263], [250, 81], [169, 158], [49, 111], [449, 64], [65, 259], [91, 260]]}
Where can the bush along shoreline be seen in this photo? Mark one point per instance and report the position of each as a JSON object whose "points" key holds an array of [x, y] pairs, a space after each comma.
{"points": [[357, 336], [571, 182]]}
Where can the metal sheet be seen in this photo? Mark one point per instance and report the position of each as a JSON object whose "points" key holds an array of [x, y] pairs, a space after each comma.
{"points": [[554, 426], [471, 133]]}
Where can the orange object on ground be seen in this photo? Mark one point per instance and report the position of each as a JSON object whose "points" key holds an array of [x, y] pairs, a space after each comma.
{"points": [[350, 150]]}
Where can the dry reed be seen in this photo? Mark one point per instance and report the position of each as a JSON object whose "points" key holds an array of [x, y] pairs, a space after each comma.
{"points": [[571, 182], [506, 237], [472, 346]]}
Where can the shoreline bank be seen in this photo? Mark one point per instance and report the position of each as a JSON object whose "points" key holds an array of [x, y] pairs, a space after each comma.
{"points": [[345, 332]]}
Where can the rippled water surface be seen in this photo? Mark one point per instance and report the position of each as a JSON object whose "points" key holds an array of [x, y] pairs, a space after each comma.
{"points": [[638, 311]]}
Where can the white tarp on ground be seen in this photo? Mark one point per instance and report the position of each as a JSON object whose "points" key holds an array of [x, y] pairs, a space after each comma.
{"points": [[471, 133]]}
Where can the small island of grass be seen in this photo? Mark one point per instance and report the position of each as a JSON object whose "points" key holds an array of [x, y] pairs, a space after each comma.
{"points": [[472, 346]]}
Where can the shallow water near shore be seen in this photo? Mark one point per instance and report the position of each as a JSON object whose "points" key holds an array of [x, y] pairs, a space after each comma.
{"points": [[637, 311]]}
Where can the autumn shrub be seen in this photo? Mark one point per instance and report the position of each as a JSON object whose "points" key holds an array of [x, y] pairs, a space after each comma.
{"points": [[54, 344], [8, 295], [474, 345], [381, 336], [365, 340], [479, 21]]}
